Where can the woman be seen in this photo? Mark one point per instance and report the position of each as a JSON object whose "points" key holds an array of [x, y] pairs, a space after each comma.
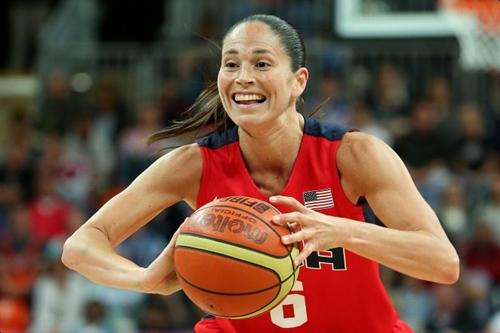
{"points": [[316, 175]]}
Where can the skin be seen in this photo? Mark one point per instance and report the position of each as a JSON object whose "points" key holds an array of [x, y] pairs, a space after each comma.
{"points": [[254, 61]]}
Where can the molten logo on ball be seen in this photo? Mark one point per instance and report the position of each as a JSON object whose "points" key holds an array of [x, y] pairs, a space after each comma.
{"points": [[221, 223]]}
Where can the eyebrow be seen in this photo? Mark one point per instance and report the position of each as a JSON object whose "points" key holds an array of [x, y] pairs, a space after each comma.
{"points": [[256, 51]]}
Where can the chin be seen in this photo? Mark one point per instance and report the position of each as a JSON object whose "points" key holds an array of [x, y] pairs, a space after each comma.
{"points": [[248, 121]]}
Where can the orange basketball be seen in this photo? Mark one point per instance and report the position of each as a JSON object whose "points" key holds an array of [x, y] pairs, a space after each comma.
{"points": [[229, 258]]}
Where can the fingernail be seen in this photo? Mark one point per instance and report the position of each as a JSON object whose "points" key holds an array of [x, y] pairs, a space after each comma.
{"points": [[272, 199], [285, 239], [277, 218]]}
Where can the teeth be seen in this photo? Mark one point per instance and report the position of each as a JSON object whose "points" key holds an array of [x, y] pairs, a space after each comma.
{"points": [[248, 97]]}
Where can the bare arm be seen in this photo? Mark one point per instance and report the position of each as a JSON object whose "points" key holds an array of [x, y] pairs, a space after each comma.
{"points": [[413, 243], [90, 250]]}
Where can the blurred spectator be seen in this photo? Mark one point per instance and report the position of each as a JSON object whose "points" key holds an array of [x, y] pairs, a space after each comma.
{"points": [[423, 145], [425, 150], [14, 306], [172, 103], [59, 295], [453, 213], [143, 247], [414, 302], [477, 306], [362, 119], [335, 109], [21, 250], [439, 93], [389, 97], [14, 310], [110, 112], [16, 176], [445, 316], [95, 319], [155, 315], [122, 306], [49, 214], [18, 127], [17, 162], [483, 254], [135, 154], [58, 106], [473, 141], [164, 314], [76, 167], [488, 212]]}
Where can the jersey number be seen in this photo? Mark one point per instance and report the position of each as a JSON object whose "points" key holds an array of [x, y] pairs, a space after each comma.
{"points": [[292, 311], [296, 306]]}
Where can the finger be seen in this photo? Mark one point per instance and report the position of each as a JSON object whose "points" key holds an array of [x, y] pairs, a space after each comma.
{"points": [[294, 226], [294, 238], [288, 201], [293, 217], [303, 254]]}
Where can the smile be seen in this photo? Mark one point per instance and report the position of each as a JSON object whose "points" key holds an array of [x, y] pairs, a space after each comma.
{"points": [[248, 99]]}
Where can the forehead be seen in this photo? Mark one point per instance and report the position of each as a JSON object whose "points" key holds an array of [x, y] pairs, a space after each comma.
{"points": [[254, 34]]}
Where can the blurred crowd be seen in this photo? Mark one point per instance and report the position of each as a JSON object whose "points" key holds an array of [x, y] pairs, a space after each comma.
{"points": [[62, 161]]}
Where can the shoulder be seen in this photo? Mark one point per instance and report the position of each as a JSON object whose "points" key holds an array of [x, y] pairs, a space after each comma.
{"points": [[179, 170], [184, 156], [366, 163], [359, 146]]}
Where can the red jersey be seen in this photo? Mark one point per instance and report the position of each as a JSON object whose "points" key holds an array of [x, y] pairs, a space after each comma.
{"points": [[337, 290]]}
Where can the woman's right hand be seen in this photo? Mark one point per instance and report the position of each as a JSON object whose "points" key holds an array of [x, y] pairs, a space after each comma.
{"points": [[159, 277]]}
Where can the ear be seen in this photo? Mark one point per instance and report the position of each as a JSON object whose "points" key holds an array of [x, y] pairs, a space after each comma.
{"points": [[300, 82]]}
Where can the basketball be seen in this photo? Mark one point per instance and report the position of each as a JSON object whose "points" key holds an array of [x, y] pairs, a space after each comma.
{"points": [[230, 261]]}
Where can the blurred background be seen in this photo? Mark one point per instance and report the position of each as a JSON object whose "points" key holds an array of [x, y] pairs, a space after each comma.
{"points": [[83, 83]]}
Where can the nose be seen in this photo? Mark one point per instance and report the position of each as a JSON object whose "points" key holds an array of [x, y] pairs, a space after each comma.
{"points": [[245, 76]]}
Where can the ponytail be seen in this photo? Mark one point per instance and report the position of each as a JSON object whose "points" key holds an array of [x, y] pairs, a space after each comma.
{"points": [[206, 111]]}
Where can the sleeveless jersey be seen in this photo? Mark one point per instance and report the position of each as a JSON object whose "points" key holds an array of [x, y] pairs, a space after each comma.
{"points": [[337, 291]]}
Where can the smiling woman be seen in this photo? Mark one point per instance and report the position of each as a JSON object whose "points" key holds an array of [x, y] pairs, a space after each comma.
{"points": [[315, 174], [256, 68]]}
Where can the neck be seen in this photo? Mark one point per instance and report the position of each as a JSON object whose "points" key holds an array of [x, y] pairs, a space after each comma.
{"points": [[275, 148]]}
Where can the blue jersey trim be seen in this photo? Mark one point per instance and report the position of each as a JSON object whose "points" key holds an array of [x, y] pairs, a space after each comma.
{"points": [[316, 128], [312, 127], [220, 139]]}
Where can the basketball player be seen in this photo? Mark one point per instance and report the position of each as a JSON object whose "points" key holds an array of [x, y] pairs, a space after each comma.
{"points": [[315, 174]]}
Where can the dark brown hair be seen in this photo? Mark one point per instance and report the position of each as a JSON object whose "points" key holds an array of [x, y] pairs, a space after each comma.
{"points": [[207, 110]]}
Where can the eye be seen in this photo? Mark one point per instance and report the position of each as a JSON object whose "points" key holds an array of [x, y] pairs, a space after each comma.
{"points": [[262, 64], [230, 65]]}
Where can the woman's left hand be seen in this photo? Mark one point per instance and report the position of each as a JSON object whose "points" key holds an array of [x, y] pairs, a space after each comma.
{"points": [[317, 231]]}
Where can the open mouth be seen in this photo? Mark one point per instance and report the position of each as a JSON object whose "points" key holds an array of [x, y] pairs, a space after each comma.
{"points": [[248, 99]]}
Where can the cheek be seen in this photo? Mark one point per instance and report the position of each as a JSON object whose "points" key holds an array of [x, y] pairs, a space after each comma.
{"points": [[221, 81], [281, 86]]}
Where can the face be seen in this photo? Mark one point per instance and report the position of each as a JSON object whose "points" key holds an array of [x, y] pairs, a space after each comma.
{"points": [[256, 83]]}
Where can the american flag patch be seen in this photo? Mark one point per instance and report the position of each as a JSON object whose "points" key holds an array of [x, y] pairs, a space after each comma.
{"points": [[318, 199]]}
